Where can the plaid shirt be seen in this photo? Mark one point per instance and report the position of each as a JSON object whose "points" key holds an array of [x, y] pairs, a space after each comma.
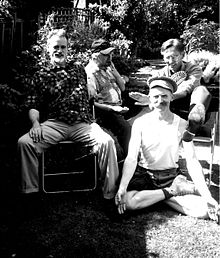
{"points": [[61, 93]]}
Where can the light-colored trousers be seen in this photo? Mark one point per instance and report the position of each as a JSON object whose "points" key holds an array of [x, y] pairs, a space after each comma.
{"points": [[56, 131]]}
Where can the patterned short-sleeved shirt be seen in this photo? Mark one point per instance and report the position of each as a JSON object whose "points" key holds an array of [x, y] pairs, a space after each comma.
{"points": [[61, 92], [194, 74], [104, 83]]}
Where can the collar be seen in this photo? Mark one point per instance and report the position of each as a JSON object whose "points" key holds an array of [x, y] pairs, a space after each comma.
{"points": [[182, 68]]}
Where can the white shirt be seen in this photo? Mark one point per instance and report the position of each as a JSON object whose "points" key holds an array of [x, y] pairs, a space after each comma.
{"points": [[159, 141]]}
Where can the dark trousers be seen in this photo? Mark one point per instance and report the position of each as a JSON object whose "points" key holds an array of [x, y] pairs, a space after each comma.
{"points": [[117, 124]]}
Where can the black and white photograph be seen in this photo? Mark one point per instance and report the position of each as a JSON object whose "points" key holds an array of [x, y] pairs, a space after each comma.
{"points": [[109, 129]]}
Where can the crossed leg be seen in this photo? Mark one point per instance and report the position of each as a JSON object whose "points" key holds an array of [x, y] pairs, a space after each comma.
{"points": [[192, 205]]}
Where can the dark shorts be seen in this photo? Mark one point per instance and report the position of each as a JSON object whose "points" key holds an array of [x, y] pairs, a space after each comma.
{"points": [[145, 179]]}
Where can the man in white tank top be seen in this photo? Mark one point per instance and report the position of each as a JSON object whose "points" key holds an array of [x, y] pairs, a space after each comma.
{"points": [[150, 172]]}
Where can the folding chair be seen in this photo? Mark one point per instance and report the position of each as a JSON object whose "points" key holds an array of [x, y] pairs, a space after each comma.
{"points": [[209, 139], [68, 167]]}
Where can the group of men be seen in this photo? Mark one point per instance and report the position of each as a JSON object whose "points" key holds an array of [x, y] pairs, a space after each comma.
{"points": [[151, 146]]}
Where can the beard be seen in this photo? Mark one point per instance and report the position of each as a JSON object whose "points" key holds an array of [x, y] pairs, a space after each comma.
{"points": [[58, 59]]}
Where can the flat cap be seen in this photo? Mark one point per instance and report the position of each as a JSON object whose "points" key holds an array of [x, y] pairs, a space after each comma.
{"points": [[163, 82], [102, 46]]}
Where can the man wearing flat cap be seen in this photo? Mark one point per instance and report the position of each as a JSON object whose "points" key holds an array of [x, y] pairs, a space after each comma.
{"points": [[105, 84], [150, 172], [190, 93]]}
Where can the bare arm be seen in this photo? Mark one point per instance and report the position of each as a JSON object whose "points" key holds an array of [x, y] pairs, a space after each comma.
{"points": [[119, 79], [196, 173], [107, 107], [91, 85], [129, 167], [92, 90], [34, 116], [35, 131], [194, 73]]}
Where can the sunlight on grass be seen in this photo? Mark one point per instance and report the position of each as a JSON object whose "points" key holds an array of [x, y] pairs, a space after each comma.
{"points": [[182, 236]]}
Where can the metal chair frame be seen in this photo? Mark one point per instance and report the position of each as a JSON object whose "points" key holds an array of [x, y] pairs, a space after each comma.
{"points": [[77, 173], [210, 141]]}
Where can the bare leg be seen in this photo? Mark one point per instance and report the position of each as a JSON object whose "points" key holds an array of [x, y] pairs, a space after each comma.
{"points": [[192, 205], [142, 199], [200, 100], [201, 95]]}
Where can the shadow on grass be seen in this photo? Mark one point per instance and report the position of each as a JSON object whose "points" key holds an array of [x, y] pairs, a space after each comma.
{"points": [[78, 225], [67, 225], [74, 225]]}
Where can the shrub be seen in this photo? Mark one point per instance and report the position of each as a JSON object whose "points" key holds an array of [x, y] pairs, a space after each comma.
{"points": [[210, 64], [202, 36], [6, 9]]}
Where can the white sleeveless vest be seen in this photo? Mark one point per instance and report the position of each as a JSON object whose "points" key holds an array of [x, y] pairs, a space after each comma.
{"points": [[160, 145]]}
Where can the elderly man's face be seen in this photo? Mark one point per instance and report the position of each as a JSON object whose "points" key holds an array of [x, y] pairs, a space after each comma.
{"points": [[57, 49], [173, 58], [160, 98]]}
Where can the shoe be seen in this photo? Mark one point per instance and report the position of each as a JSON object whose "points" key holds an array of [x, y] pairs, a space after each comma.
{"points": [[197, 113], [214, 214], [181, 186], [187, 136], [196, 119]]}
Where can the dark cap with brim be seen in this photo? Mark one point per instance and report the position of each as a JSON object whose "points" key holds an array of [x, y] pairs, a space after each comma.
{"points": [[163, 82], [102, 46]]}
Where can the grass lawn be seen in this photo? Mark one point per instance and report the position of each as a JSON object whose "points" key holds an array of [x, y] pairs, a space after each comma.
{"points": [[78, 225]]}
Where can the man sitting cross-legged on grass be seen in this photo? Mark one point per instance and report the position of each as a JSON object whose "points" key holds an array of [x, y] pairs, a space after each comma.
{"points": [[150, 172]]}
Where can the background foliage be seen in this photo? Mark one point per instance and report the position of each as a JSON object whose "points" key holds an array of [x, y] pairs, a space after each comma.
{"points": [[149, 23], [136, 28]]}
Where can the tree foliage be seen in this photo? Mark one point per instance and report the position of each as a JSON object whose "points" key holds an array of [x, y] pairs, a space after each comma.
{"points": [[202, 36], [149, 23], [201, 33]]}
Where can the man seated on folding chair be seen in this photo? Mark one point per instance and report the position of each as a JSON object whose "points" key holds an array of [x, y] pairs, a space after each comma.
{"points": [[106, 85], [60, 87], [150, 172], [190, 94]]}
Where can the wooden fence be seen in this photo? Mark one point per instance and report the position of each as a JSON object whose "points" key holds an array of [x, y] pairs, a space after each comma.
{"points": [[13, 33], [11, 36], [64, 16]]}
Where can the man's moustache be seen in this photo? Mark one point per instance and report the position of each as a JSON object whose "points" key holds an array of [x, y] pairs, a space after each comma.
{"points": [[164, 103]]}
